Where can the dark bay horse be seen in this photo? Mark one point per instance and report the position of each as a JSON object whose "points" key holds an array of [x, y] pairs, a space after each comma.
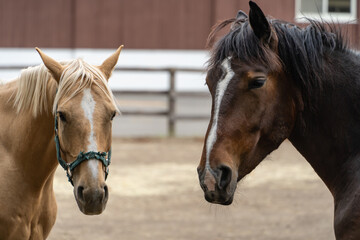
{"points": [[270, 81]]}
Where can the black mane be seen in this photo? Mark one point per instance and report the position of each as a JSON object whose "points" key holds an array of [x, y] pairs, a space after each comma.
{"points": [[309, 44], [305, 50]]}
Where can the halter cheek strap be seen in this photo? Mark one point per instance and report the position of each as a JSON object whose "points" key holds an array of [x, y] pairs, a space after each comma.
{"points": [[83, 156]]}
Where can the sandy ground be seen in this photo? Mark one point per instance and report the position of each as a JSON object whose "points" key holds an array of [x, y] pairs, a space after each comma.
{"points": [[154, 194]]}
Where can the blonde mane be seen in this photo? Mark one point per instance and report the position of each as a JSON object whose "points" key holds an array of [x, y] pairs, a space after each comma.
{"points": [[33, 86]]}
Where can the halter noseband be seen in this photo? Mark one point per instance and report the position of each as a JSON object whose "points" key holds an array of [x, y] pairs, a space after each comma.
{"points": [[83, 156]]}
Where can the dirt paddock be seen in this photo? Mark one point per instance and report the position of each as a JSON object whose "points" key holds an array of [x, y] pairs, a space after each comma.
{"points": [[154, 194]]}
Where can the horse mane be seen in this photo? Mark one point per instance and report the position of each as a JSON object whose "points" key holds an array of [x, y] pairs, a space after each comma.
{"points": [[301, 52], [32, 90], [33, 86], [305, 50], [309, 42]]}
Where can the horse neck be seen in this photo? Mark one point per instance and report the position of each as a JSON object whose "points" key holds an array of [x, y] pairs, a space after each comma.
{"points": [[38, 148], [328, 134], [30, 141]]}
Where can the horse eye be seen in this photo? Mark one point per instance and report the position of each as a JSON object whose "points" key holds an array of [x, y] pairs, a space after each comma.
{"points": [[62, 116], [112, 117], [257, 83]]}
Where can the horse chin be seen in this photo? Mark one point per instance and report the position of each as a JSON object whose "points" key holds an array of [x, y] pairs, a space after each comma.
{"points": [[222, 201], [222, 197], [89, 209]]}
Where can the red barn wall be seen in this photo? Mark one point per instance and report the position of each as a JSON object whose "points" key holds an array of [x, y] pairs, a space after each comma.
{"points": [[139, 24]]}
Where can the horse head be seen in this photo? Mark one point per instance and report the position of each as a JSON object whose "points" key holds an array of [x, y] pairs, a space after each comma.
{"points": [[83, 109], [252, 105]]}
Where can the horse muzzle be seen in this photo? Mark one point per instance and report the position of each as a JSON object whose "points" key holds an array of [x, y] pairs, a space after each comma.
{"points": [[91, 200], [219, 185]]}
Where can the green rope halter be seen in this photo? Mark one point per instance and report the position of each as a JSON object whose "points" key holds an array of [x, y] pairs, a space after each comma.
{"points": [[83, 156]]}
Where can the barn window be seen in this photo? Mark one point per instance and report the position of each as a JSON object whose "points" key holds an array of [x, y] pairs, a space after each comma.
{"points": [[328, 10]]}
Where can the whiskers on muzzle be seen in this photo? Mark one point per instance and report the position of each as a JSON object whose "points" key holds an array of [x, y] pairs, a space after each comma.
{"points": [[218, 185]]}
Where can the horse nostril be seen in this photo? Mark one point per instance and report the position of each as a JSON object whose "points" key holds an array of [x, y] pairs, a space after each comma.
{"points": [[225, 176], [106, 191], [200, 172], [80, 193]]}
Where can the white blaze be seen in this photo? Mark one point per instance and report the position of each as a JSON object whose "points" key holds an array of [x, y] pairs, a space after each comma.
{"points": [[220, 90], [88, 105]]}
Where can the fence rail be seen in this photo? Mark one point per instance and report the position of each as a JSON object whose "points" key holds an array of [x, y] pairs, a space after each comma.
{"points": [[171, 94]]}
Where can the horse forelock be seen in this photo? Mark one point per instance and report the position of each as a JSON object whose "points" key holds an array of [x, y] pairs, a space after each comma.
{"points": [[242, 44], [34, 84], [77, 76]]}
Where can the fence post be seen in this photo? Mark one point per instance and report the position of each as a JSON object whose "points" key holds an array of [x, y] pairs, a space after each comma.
{"points": [[171, 104]]}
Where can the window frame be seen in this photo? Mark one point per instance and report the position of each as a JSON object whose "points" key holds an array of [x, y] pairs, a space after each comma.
{"points": [[350, 18]]}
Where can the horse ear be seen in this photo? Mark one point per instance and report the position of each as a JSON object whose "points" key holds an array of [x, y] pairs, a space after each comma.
{"points": [[54, 67], [108, 65], [240, 16], [259, 23]]}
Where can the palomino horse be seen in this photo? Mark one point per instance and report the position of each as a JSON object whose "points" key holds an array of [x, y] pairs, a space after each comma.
{"points": [[271, 80], [78, 97]]}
